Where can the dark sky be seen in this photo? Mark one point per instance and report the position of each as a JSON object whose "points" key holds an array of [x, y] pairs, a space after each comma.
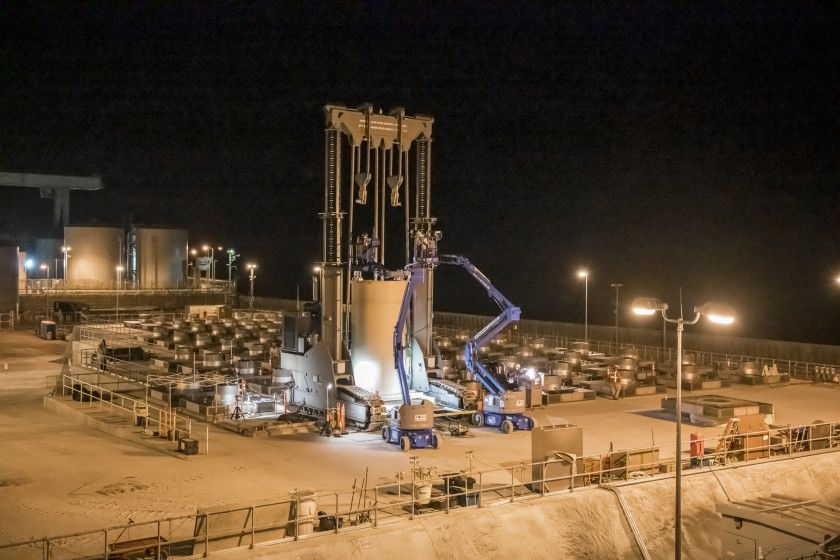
{"points": [[663, 147]]}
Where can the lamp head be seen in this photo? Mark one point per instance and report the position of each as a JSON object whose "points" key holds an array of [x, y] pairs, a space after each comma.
{"points": [[647, 306], [583, 273], [717, 313]]}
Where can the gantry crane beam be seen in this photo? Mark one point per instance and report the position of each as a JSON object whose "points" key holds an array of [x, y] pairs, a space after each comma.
{"points": [[56, 187]]}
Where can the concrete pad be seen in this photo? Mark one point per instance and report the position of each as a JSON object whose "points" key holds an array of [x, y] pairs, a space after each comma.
{"points": [[62, 470]]}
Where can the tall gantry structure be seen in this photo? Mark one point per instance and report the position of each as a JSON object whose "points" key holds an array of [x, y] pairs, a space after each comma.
{"points": [[373, 184]]}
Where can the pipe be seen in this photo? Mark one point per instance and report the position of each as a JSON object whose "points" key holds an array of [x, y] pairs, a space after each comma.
{"points": [[629, 517]]}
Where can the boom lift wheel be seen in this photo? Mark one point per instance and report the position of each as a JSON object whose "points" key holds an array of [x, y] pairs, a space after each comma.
{"points": [[478, 419], [436, 441], [405, 443], [507, 426], [386, 433]]}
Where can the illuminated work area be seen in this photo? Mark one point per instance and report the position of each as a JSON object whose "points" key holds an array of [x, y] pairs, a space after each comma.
{"points": [[272, 409]]}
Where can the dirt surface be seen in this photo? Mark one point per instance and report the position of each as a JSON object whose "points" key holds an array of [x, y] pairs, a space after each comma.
{"points": [[58, 477]]}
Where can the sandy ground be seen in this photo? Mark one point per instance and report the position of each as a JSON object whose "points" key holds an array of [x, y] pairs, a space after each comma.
{"points": [[57, 477]]}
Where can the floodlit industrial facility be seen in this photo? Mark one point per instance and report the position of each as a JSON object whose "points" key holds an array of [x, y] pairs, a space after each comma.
{"points": [[196, 420]]}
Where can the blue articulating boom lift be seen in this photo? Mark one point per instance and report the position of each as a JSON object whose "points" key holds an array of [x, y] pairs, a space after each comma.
{"points": [[503, 407], [411, 425]]}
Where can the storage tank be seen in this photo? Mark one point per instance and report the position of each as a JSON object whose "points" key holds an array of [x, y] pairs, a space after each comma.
{"points": [[95, 253], [376, 307], [157, 258]]}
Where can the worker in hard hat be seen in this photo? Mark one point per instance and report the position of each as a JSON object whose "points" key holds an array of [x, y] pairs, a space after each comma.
{"points": [[101, 352], [614, 381]]}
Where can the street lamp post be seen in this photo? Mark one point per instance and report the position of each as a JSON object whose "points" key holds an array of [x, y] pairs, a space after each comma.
{"points": [[66, 251], [26, 266], [251, 267], [585, 275], [232, 255], [214, 264], [47, 268], [212, 270], [617, 287], [716, 313], [119, 274]]}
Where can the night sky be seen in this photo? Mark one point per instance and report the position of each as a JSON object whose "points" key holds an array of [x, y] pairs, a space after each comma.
{"points": [[661, 146]]}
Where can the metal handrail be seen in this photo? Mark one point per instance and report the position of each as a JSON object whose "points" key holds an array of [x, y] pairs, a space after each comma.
{"points": [[490, 488]]}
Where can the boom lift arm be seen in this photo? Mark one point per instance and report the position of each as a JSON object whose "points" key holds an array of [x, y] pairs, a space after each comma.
{"points": [[418, 274], [411, 425], [509, 314]]}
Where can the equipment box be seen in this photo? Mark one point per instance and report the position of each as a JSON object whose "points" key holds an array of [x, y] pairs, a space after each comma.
{"points": [[756, 446], [188, 445]]}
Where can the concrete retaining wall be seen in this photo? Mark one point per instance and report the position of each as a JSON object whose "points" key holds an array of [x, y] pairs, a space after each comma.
{"points": [[587, 523]]}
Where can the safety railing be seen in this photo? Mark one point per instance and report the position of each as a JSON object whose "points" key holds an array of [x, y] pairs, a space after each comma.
{"points": [[58, 286], [119, 397], [723, 363], [423, 491]]}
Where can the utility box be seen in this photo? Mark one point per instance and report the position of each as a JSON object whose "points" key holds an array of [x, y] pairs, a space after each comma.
{"points": [[47, 330], [625, 463], [820, 433], [756, 445], [557, 457], [188, 445], [533, 396]]}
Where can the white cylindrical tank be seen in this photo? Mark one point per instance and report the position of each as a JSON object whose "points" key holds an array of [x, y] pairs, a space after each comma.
{"points": [[159, 256], [95, 253], [376, 306]]}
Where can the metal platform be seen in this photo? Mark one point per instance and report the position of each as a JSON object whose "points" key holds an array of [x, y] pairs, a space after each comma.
{"points": [[716, 408], [800, 528], [568, 394], [695, 384], [760, 379], [601, 387]]}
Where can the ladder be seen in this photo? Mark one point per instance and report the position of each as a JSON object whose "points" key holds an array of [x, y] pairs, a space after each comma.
{"points": [[725, 441]]}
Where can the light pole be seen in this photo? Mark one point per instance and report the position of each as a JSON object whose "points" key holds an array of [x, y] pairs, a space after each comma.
{"points": [[47, 268], [214, 265], [26, 266], [232, 255], [717, 313], [252, 267], [212, 271], [617, 287], [664, 336], [66, 251], [585, 275], [196, 272], [119, 274]]}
